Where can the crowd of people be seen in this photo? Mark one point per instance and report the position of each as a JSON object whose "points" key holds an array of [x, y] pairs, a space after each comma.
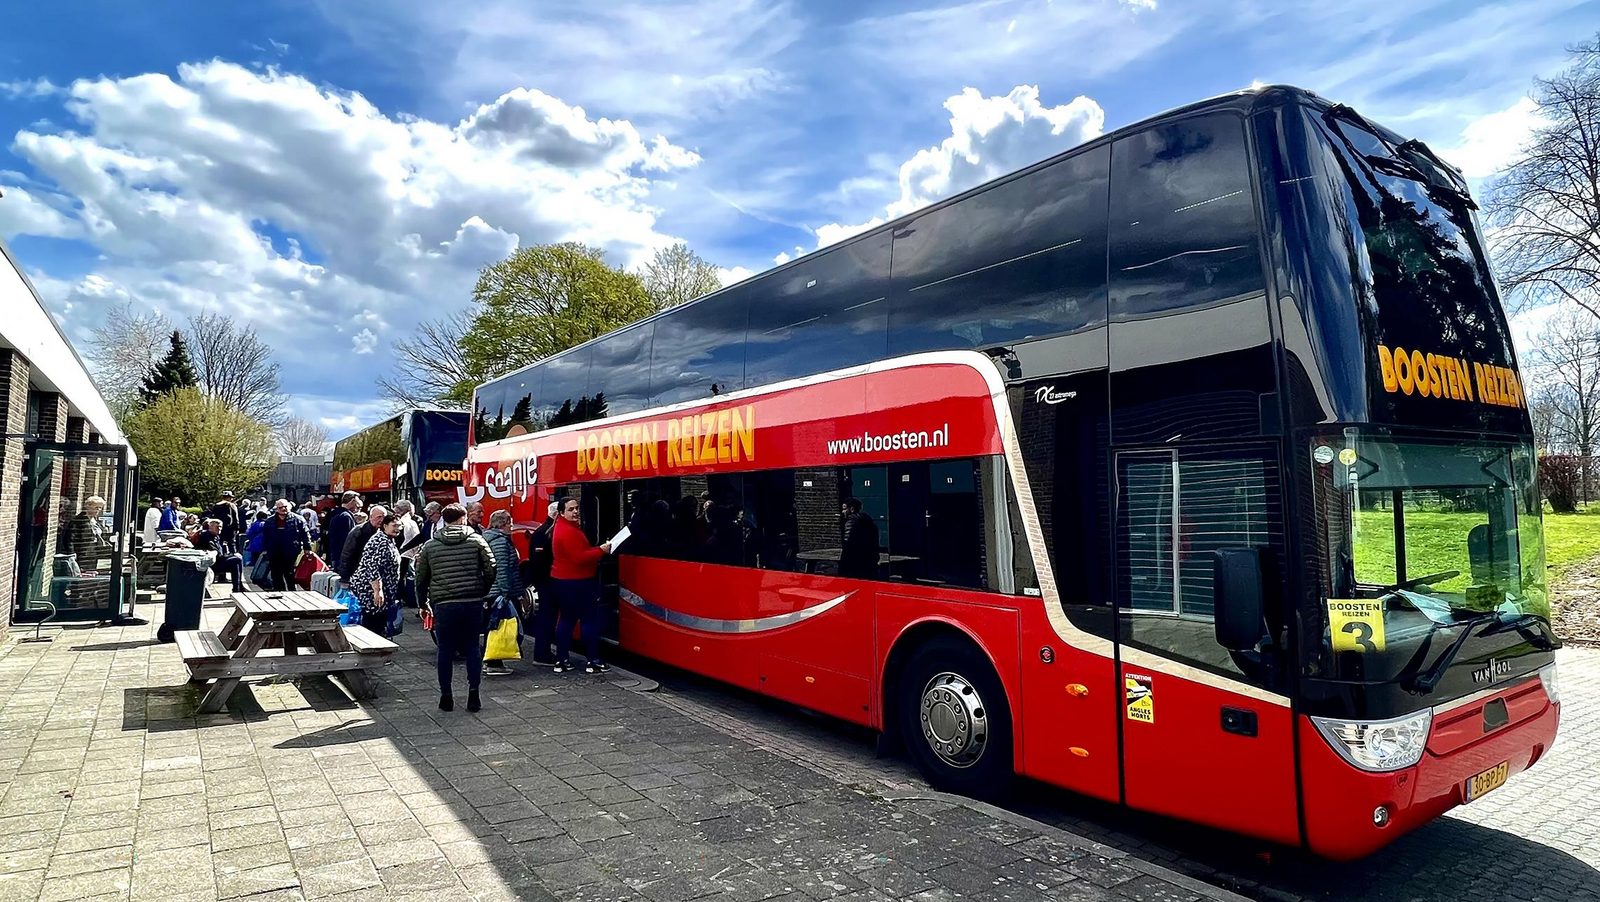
{"points": [[446, 562]]}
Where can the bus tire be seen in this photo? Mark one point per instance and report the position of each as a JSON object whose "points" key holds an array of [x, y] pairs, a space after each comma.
{"points": [[953, 718]]}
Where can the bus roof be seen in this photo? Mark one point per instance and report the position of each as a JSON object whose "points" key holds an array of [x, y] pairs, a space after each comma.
{"points": [[1246, 100]]}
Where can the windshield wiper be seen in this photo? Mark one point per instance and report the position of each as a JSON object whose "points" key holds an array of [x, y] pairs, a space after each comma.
{"points": [[1524, 625], [1414, 681], [1429, 680], [1398, 162]]}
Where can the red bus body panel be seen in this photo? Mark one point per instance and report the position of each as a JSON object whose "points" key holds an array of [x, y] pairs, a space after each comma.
{"points": [[823, 642], [1340, 799]]}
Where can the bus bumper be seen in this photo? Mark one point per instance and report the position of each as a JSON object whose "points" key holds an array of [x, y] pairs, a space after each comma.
{"points": [[1342, 802]]}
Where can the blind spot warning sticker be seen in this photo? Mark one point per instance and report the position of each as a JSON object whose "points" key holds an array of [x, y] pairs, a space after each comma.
{"points": [[1140, 697], [1356, 624]]}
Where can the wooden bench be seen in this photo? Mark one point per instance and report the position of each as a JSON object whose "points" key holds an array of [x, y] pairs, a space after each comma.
{"points": [[367, 642], [200, 647]]}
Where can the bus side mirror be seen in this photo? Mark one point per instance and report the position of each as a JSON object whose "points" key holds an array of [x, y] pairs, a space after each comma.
{"points": [[1240, 600]]}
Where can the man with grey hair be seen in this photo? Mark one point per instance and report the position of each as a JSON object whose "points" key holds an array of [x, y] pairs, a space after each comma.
{"points": [[284, 538], [507, 571], [357, 542], [228, 564], [430, 519], [409, 530], [475, 517]]}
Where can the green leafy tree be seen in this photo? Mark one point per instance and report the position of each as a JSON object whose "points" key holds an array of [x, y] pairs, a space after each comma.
{"points": [[198, 446], [172, 372], [544, 299], [677, 275]]}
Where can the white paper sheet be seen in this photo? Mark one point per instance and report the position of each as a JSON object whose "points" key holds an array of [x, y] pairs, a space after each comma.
{"points": [[619, 538]]}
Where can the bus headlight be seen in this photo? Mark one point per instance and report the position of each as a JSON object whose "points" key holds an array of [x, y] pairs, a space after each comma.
{"points": [[1547, 676], [1378, 745]]}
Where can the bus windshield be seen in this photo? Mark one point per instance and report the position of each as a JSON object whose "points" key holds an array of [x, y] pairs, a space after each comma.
{"points": [[1419, 536]]}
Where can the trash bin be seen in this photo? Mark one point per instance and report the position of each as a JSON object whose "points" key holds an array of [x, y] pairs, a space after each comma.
{"points": [[188, 572]]}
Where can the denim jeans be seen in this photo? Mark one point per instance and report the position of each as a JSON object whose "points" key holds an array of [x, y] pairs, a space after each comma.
{"points": [[458, 628]]}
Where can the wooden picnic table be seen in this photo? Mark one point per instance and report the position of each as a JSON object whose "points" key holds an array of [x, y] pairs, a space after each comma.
{"points": [[281, 633]]}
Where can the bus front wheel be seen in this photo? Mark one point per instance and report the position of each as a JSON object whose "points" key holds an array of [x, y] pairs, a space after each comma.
{"points": [[954, 719]]}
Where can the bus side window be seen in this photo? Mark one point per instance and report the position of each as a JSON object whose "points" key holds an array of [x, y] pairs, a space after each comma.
{"points": [[620, 370]]}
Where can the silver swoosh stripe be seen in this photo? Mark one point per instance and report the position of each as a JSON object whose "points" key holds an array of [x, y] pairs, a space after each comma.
{"points": [[713, 625]]}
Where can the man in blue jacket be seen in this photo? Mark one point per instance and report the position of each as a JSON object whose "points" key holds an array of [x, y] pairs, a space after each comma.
{"points": [[283, 538]]}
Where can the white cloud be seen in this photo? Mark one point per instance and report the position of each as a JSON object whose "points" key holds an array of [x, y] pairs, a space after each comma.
{"points": [[325, 222], [989, 137], [21, 213], [29, 88], [1493, 141], [729, 275], [1139, 6]]}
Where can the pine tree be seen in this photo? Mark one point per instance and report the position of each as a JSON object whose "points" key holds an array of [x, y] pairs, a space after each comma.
{"points": [[173, 372]]}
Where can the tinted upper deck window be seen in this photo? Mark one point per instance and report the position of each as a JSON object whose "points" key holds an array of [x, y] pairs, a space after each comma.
{"points": [[564, 394], [1024, 259], [823, 314], [1183, 226], [619, 371], [699, 349]]}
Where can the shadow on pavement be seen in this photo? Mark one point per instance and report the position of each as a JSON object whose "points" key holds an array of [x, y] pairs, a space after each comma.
{"points": [[117, 646], [336, 735]]}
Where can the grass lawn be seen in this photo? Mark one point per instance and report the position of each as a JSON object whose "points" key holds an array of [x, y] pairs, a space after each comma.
{"points": [[1569, 539], [1437, 542]]}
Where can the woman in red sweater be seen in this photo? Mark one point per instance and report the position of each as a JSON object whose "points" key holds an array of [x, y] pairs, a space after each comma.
{"points": [[577, 589]]}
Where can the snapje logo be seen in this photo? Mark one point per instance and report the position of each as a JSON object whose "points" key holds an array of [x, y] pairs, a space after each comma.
{"points": [[1048, 395], [515, 479]]}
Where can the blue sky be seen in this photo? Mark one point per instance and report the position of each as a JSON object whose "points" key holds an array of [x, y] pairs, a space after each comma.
{"points": [[335, 172]]}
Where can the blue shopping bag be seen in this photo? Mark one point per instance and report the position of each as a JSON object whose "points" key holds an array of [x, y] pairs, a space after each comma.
{"points": [[396, 620], [352, 614]]}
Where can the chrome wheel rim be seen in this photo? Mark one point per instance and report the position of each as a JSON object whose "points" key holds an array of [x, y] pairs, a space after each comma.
{"points": [[954, 721]]}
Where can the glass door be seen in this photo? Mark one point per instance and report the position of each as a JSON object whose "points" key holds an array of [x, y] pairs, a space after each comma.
{"points": [[72, 538]]}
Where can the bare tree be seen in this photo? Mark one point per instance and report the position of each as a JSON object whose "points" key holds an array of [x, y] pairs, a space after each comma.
{"points": [[676, 275], [1566, 365], [236, 367], [1546, 206], [429, 367], [297, 437], [122, 351]]}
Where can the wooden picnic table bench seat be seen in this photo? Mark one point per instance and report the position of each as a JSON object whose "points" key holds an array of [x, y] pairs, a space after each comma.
{"points": [[368, 642], [200, 647]]}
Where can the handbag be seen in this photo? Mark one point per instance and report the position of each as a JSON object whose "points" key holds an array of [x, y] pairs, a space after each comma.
{"points": [[396, 620], [261, 573], [502, 644]]}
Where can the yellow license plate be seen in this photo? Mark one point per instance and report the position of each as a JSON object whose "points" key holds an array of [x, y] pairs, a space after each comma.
{"points": [[1493, 778]]}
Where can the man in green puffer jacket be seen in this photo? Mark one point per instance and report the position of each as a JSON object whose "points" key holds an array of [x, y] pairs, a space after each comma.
{"points": [[455, 574]]}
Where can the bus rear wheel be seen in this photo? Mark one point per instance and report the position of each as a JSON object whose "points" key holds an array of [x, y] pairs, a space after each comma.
{"points": [[954, 720]]}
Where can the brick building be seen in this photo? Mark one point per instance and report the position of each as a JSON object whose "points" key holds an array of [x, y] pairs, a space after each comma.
{"points": [[65, 484]]}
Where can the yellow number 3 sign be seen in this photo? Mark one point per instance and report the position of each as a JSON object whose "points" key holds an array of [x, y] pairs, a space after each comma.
{"points": [[1356, 624]]}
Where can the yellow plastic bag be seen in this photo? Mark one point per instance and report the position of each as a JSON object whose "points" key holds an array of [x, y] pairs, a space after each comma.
{"points": [[502, 644]]}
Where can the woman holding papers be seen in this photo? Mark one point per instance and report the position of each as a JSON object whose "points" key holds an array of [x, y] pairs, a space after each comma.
{"points": [[574, 581]]}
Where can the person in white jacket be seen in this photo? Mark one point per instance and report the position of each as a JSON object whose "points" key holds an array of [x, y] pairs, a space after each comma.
{"points": [[152, 521]]}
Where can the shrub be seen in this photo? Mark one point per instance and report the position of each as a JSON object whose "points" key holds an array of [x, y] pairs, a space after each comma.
{"points": [[1560, 479]]}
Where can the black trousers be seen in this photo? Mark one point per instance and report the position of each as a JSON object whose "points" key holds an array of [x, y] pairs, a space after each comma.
{"points": [[580, 607], [282, 577], [458, 629], [543, 627]]}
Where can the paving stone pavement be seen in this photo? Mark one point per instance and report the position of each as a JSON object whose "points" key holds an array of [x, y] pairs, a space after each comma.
{"points": [[1536, 839], [563, 787]]}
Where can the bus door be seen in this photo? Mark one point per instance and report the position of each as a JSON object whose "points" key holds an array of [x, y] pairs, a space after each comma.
{"points": [[601, 504], [1204, 736]]}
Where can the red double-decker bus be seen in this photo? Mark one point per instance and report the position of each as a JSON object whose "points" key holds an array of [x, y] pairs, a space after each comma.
{"points": [[1189, 469]]}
